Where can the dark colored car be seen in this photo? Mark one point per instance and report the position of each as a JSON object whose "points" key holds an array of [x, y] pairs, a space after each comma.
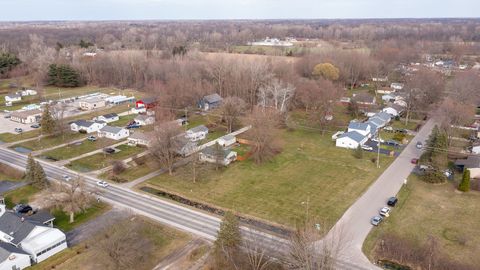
{"points": [[109, 150], [392, 201], [392, 143], [133, 126], [35, 126], [22, 208]]}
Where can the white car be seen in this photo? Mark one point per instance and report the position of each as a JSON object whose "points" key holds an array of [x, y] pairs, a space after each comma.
{"points": [[385, 211], [67, 178], [366, 147], [102, 184]]}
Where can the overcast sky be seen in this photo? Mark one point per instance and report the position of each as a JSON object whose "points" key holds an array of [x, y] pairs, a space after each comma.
{"points": [[28, 10]]}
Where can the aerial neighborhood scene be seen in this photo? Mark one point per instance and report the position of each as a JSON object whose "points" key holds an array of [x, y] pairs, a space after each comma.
{"points": [[257, 135]]}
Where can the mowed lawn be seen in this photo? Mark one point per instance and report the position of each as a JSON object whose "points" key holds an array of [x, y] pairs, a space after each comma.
{"points": [[135, 171], [50, 141], [77, 149], [436, 210], [102, 160], [13, 137], [309, 168]]}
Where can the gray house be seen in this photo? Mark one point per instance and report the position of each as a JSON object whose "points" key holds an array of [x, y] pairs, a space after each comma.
{"points": [[210, 102]]}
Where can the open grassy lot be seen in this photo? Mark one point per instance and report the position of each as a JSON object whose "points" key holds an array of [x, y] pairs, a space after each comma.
{"points": [[62, 219], [19, 195], [50, 141], [401, 124], [424, 210], [88, 255], [77, 149], [101, 160], [310, 168], [123, 120], [134, 171], [12, 137]]}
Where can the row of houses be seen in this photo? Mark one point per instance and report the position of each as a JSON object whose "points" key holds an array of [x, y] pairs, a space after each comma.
{"points": [[358, 133], [27, 239]]}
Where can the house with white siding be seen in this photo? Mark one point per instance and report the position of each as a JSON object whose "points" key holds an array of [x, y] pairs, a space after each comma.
{"points": [[114, 133]]}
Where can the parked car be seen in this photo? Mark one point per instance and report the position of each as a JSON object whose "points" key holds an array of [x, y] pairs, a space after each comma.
{"points": [[102, 184], [414, 160], [22, 208], [388, 128], [35, 126], [133, 126], [67, 178], [109, 150], [18, 130], [425, 167], [419, 145], [7, 116], [402, 130], [367, 147], [392, 201], [377, 140], [376, 220], [392, 143], [384, 212], [91, 138]]}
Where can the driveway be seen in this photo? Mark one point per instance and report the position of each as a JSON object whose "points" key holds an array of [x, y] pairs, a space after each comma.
{"points": [[8, 126], [355, 223]]}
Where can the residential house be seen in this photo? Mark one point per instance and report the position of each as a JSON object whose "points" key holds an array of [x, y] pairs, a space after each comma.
{"points": [[394, 110], [227, 140], [475, 149], [197, 133], [13, 98], [32, 234], [144, 120], [388, 98], [26, 117], [186, 147], [27, 92], [12, 257], [383, 116], [108, 118], [147, 103], [400, 102], [92, 103], [221, 156], [87, 126], [141, 138], [351, 140], [362, 128], [375, 124], [114, 133], [364, 99], [397, 86], [210, 102], [385, 91], [380, 79], [338, 133], [472, 163]]}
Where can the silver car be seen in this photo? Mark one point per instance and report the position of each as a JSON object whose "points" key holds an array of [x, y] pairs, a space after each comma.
{"points": [[376, 220]]}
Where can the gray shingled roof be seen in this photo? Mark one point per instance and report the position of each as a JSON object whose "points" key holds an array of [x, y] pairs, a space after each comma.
{"points": [[213, 98], [83, 123], [7, 249], [111, 129], [200, 128], [110, 115], [358, 126], [211, 151], [469, 163], [13, 225], [383, 116], [353, 135], [40, 217]]}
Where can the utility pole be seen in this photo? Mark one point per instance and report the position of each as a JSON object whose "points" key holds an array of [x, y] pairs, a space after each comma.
{"points": [[378, 150]]}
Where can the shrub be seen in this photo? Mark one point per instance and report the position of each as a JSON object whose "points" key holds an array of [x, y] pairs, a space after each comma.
{"points": [[465, 183], [117, 179], [118, 167], [399, 137], [434, 177], [140, 160], [358, 152]]}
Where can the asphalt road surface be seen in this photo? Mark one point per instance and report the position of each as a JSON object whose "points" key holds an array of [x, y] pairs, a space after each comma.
{"points": [[354, 225]]}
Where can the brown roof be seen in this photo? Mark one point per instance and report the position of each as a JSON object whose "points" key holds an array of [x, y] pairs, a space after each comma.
{"points": [[363, 97]]}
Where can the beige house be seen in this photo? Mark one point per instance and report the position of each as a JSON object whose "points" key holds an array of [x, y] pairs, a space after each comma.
{"points": [[92, 103], [472, 163], [141, 138], [26, 117]]}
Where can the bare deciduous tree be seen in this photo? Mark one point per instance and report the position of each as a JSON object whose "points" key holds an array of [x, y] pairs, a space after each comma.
{"points": [[276, 94], [166, 144], [262, 134], [231, 109]]}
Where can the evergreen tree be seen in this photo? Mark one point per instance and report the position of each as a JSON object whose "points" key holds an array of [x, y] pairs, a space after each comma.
{"points": [[7, 62], [63, 76], [229, 237], [465, 184], [30, 169], [358, 152], [39, 177], [47, 122]]}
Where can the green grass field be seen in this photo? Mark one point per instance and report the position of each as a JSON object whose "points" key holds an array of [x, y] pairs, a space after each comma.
{"points": [[424, 209], [62, 219], [101, 160], [123, 121], [310, 167], [135, 172], [50, 141], [73, 150], [12, 137], [19, 195]]}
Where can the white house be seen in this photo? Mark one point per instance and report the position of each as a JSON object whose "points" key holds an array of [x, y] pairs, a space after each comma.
{"points": [[114, 133], [363, 128], [26, 117], [338, 133], [197, 133], [13, 98], [140, 138], [12, 257], [108, 118], [385, 91], [92, 103], [380, 79], [383, 116], [476, 149], [27, 92], [33, 235], [221, 156], [144, 120], [227, 140], [394, 110], [388, 97], [400, 102], [397, 86], [87, 126], [351, 140]]}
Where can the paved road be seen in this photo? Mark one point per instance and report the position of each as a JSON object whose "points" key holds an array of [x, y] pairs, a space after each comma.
{"points": [[355, 223], [6, 185]]}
